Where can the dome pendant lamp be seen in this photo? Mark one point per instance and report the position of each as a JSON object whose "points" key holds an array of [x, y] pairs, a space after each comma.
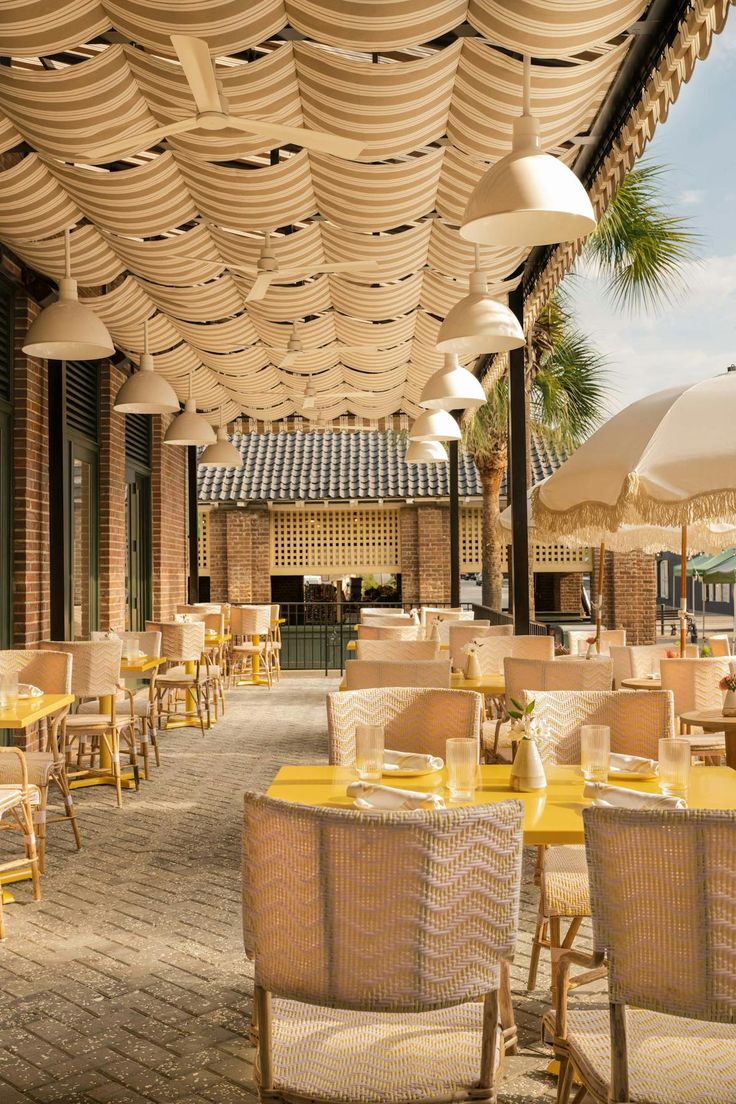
{"points": [[223, 454], [67, 329], [435, 425], [190, 428], [528, 197], [478, 323], [452, 388], [144, 391], [425, 452]]}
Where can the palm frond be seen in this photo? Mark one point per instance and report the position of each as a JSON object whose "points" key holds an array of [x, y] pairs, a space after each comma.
{"points": [[568, 390], [488, 427]]}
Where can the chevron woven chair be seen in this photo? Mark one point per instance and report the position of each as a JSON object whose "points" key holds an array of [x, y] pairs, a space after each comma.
{"points": [[414, 719], [176, 690], [637, 720], [694, 686], [363, 674], [578, 640], [371, 981], [661, 888], [461, 633], [19, 800], [390, 632], [246, 623], [397, 650], [52, 673]]}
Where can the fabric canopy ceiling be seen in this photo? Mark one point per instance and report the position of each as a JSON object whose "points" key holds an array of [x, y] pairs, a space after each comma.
{"points": [[430, 86]]}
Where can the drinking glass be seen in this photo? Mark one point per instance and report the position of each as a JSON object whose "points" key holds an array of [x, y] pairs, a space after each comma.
{"points": [[9, 689], [369, 752], [132, 647], [461, 758], [674, 766], [595, 752]]}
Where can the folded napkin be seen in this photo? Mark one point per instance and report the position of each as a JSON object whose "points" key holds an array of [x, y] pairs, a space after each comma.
{"points": [[633, 764], [616, 797], [371, 795], [409, 760]]}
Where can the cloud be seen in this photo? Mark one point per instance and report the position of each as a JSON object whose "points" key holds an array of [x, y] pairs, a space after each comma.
{"points": [[691, 197]]}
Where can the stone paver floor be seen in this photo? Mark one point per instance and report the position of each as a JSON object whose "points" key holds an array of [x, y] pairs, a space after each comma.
{"points": [[128, 982]]}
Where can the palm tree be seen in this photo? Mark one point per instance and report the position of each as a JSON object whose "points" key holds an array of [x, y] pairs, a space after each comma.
{"points": [[640, 249]]}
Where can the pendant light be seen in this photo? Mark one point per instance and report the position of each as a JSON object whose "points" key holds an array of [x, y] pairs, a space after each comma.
{"points": [[67, 329], [435, 425], [528, 197], [452, 388], [190, 428], [425, 452], [478, 323], [223, 454], [145, 391]]}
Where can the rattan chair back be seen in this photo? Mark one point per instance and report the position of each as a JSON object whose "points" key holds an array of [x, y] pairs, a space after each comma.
{"points": [[390, 632], [493, 650], [149, 642], [363, 674], [578, 640], [95, 665], [554, 674], [393, 933], [398, 650], [181, 641], [642, 660], [250, 620], [694, 682], [413, 719], [719, 644], [50, 671]]}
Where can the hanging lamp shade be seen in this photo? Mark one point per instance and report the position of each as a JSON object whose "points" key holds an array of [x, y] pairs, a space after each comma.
{"points": [[528, 197], [478, 323], [145, 391], [425, 452], [452, 388], [435, 425], [190, 428], [223, 454]]}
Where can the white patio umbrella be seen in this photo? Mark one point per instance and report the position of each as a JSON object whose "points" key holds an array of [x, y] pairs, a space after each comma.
{"points": [[668, 459]]}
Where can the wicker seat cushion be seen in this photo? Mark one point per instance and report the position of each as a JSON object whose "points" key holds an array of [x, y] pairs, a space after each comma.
{"points": [[93, 717], [40, 766], [672, 1060], [11, 795], [362, 1057], [565, 886], [141, 705], [178, 674]]}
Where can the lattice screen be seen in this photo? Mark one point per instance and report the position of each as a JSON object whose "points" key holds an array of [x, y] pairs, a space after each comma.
{"points": [[203, 544], [334, 541], [547, 557]]}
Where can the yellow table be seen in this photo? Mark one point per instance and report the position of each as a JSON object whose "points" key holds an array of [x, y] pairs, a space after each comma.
{"points": [[552, 816], [214, 640], [352, 646], [255, 679], [641, 684], [130, 668], [487, 684]]}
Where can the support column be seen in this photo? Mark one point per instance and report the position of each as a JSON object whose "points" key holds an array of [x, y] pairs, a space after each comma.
{"points": [[454, 474], [518, 447], [193, 523]]}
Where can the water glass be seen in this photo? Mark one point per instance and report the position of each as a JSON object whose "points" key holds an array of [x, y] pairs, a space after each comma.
{"points": [[131, 647], [674, 766], [595, 752], [369, 752], [461, 758], [9, 689]]}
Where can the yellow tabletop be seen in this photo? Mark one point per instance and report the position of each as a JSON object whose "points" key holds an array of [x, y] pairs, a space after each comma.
{"points": [[552, 816], [641, 684], [212, 640], [27, 711], [487, 684], [140, 665]]}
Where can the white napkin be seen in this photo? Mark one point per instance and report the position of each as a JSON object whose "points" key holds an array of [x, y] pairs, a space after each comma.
{"points": [[28, 690], [633, 764], [616, 797], [409, 760], [371, 795]]}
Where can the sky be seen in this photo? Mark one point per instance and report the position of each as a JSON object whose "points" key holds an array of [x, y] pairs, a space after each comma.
{"points": [[695, 337]]}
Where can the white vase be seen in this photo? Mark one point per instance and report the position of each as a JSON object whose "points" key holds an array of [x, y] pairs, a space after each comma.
{"points": [[527, 770], [472, 667], [729, 704]]}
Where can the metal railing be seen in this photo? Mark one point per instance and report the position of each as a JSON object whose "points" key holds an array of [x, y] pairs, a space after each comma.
{"points": [[498, 617]]}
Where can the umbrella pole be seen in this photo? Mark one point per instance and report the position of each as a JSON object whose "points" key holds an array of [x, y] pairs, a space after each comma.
{"points": [[683, 591], [599, 597]]}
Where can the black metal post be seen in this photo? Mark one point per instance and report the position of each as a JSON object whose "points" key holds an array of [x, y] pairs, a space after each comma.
{"points": [[193, 518], [454, 474], [518, 470], [59, 541]]}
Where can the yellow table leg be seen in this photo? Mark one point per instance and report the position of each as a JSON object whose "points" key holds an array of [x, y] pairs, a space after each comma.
{"points": [[107, 779], [255, 679], [189, 719]]}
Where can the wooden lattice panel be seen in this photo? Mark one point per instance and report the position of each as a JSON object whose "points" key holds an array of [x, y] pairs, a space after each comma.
{"points": [[547, 557], [335, 541], [203, 543]]}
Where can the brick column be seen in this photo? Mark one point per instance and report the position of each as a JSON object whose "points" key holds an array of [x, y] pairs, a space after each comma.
{"points": [[433, 532], [260, 535], [169, 523], [409, 553], [630, 595], [247, 555], [217, 526], [31, 605], [112, 545], [568, 592]]}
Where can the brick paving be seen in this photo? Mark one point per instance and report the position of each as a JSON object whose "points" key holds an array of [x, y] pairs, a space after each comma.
{"points": [[128, 983]]}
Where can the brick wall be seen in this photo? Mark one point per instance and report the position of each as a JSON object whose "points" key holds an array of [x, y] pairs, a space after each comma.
{"points": [[630, 595], [112, 542], [568, 592], [243, 555], [409, 538], [216, 522], [433, 545], [169, 522]]}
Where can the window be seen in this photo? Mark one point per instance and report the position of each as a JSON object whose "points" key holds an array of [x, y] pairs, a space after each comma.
{"points": [[664, 579]]}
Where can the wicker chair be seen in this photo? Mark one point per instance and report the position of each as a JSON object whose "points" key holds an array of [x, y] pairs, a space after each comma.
{"points": [[52, 673], [144, 701], [183, 644], [406, 650], [642, 660], [96, 674], [694, 686], [452, 613], [275, 641], [493, 650], [390, 632], [385, 619], [661, 886], [719, 644], [246, 623], [19, 800], [414, 719], [578, 640], [462, 633], [376, 971], [637, 721], [363, 674]]}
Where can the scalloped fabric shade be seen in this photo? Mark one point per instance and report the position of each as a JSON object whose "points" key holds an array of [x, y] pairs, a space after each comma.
{"points": [[452, 387], [425, 452], [435, 425], [223, 454], [68, 330], [190, 428], [146, 392]]}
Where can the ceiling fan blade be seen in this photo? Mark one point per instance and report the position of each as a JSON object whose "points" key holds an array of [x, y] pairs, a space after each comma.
{"points": [[194, 55], [260, 287], [135, 143], [290, 275], [316, 140]]}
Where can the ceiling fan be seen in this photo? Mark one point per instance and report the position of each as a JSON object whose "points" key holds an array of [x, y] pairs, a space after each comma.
{"points": [[213, 115], [295, 349]]}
